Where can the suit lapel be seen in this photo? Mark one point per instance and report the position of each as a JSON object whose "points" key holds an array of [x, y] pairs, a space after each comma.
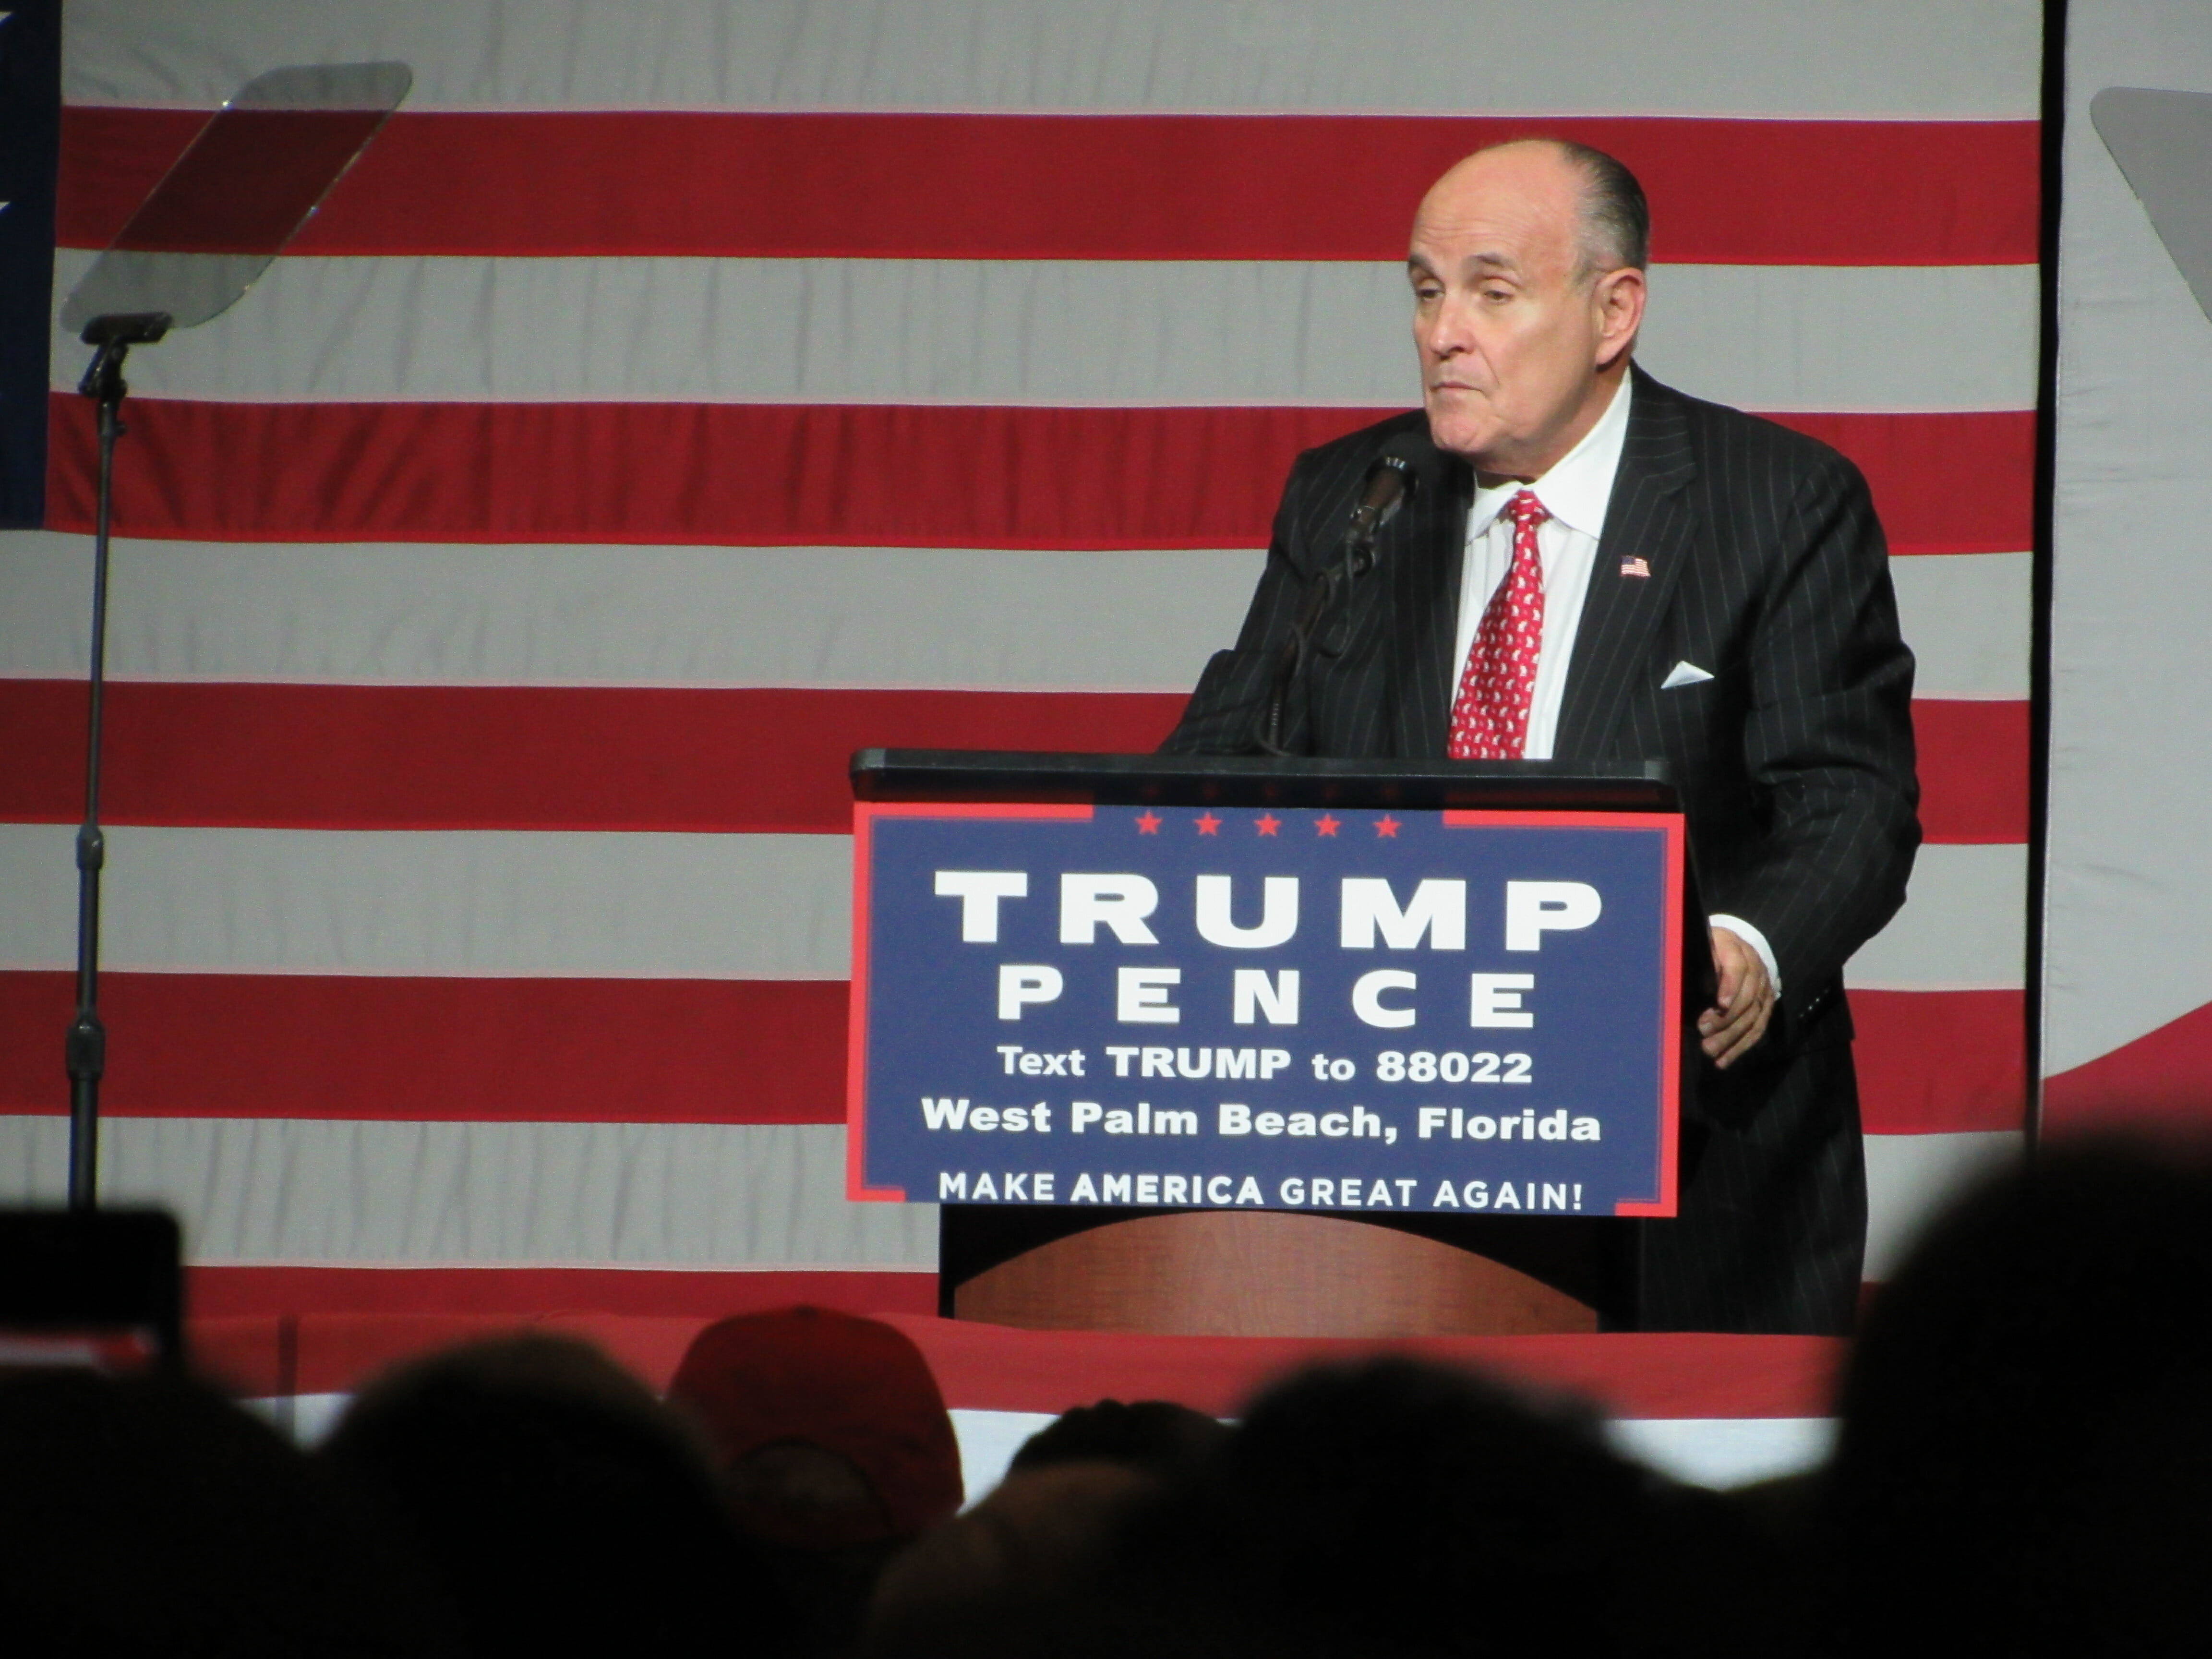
{"points": [[1649, 518]]}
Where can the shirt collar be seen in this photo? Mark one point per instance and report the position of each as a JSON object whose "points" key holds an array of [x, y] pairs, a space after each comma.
{"points": [[1576, 490]]}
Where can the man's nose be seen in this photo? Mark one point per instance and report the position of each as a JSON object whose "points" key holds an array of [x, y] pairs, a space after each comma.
{"points": [[1444, 333]]}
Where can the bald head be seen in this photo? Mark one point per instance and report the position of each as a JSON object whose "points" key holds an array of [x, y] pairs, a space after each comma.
{"points": [[1525, 262], [1612, 221]]}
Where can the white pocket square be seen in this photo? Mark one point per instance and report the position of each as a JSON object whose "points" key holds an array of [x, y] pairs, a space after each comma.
{"points": [[1684, 673]]}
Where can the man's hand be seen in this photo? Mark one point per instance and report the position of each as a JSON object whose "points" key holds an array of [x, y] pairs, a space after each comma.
{"points": [[1737, 1019]]}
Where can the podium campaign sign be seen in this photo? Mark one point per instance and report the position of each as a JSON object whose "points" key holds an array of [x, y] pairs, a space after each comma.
{"points": [[1289, 1008]]}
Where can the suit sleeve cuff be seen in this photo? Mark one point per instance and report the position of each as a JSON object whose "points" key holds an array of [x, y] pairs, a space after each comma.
{"points": [[1750, 936]]}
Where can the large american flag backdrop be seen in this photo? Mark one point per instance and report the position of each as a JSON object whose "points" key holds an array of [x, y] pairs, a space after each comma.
{"points": [[676, 398]]}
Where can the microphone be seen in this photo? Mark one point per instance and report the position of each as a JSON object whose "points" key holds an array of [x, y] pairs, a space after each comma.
{"points": [[1391, 480]]}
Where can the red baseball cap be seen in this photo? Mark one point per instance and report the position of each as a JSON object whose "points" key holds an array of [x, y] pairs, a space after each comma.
{"points": [[815, 1377]]}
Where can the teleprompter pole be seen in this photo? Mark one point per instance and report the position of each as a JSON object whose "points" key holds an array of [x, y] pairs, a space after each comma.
{"points": [[85, 1051]]}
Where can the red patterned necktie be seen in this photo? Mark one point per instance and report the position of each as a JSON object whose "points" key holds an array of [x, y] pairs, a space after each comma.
{"points": [[1490, 716]]}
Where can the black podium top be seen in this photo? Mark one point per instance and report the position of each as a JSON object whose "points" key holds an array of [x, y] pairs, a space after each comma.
{"points": [[903, 774]]}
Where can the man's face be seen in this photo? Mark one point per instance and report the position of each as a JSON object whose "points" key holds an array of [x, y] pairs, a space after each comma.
{"points": [[1520, 352]]}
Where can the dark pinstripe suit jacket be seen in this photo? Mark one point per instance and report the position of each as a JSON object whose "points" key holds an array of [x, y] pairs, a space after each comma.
{"points": [[1767, 569]]}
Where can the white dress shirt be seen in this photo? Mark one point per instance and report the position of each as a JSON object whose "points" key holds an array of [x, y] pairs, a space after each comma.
{"points": [[1576, 493]]}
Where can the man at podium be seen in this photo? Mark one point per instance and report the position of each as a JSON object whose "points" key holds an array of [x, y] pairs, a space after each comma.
{"points": [[1594, 567]]}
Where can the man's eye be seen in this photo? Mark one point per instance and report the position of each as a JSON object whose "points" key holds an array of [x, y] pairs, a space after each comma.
{"points": [[1498, 294]]}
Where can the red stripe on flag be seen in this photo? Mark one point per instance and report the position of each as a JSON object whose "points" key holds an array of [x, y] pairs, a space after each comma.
{"points": [[312, 1347], [293, 1330], [848, 474], [1630, 1374], [441, 1050], [748, 473], [251, 183], [1974, 770], [1727, 191], [2159, 1083], [1942, 483], [415, 758], [265, 1292], [1941, 1062], [532, 757]]}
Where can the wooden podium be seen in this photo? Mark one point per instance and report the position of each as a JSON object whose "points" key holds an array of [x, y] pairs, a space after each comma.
{"points": [[1307, 1273], [1217, 1273]]}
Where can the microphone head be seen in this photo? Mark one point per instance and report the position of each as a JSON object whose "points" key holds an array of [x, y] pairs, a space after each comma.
{"points": [[1405, 453], [1393, 477]]}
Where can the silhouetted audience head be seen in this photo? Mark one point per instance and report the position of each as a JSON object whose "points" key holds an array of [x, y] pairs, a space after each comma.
{"points": [[1400, 1508], [2025, 1461], [558, 1506], [1016, 1575], [148, 1515], [1158, 1436], [835, 1449], [2024, 1467]]}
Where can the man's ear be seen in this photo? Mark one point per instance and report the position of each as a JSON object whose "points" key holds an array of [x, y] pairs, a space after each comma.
{"points": [[1619, 297]]}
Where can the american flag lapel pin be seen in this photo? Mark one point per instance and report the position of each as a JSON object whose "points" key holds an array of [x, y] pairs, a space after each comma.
{"points": [[1635, 567]]}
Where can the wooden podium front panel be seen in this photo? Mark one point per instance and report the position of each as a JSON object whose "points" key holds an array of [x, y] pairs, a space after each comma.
{"points": [[1275, 1273]]}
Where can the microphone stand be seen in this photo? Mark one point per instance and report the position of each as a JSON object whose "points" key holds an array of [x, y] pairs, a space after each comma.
{"points": [[1389, 482], [1321, 594], [85, 1052]]}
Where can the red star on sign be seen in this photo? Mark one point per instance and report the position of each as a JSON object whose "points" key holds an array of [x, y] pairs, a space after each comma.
{"points": [[1325, 824], [1149, 824], [1267, 823], [1387, 827], [1209, 824]]}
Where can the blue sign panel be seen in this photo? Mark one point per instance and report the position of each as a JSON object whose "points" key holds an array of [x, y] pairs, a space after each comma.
{"points": [[1276, 1008]]}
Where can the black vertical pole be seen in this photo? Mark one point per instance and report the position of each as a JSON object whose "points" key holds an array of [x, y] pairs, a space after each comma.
{"points": [[85, 1053], [2045, 554], [30, 142], [86, 1050]]}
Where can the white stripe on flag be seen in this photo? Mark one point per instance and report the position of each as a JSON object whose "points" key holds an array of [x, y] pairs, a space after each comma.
{"points": [[518, 614], [1724, 1451], [1105, 333], [557, 904], [1964, 926], [1707, 1451], [289, 1190], [1974, 60], [410, 613], [1966, 618], [619, 904], [1912, 1179]]}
